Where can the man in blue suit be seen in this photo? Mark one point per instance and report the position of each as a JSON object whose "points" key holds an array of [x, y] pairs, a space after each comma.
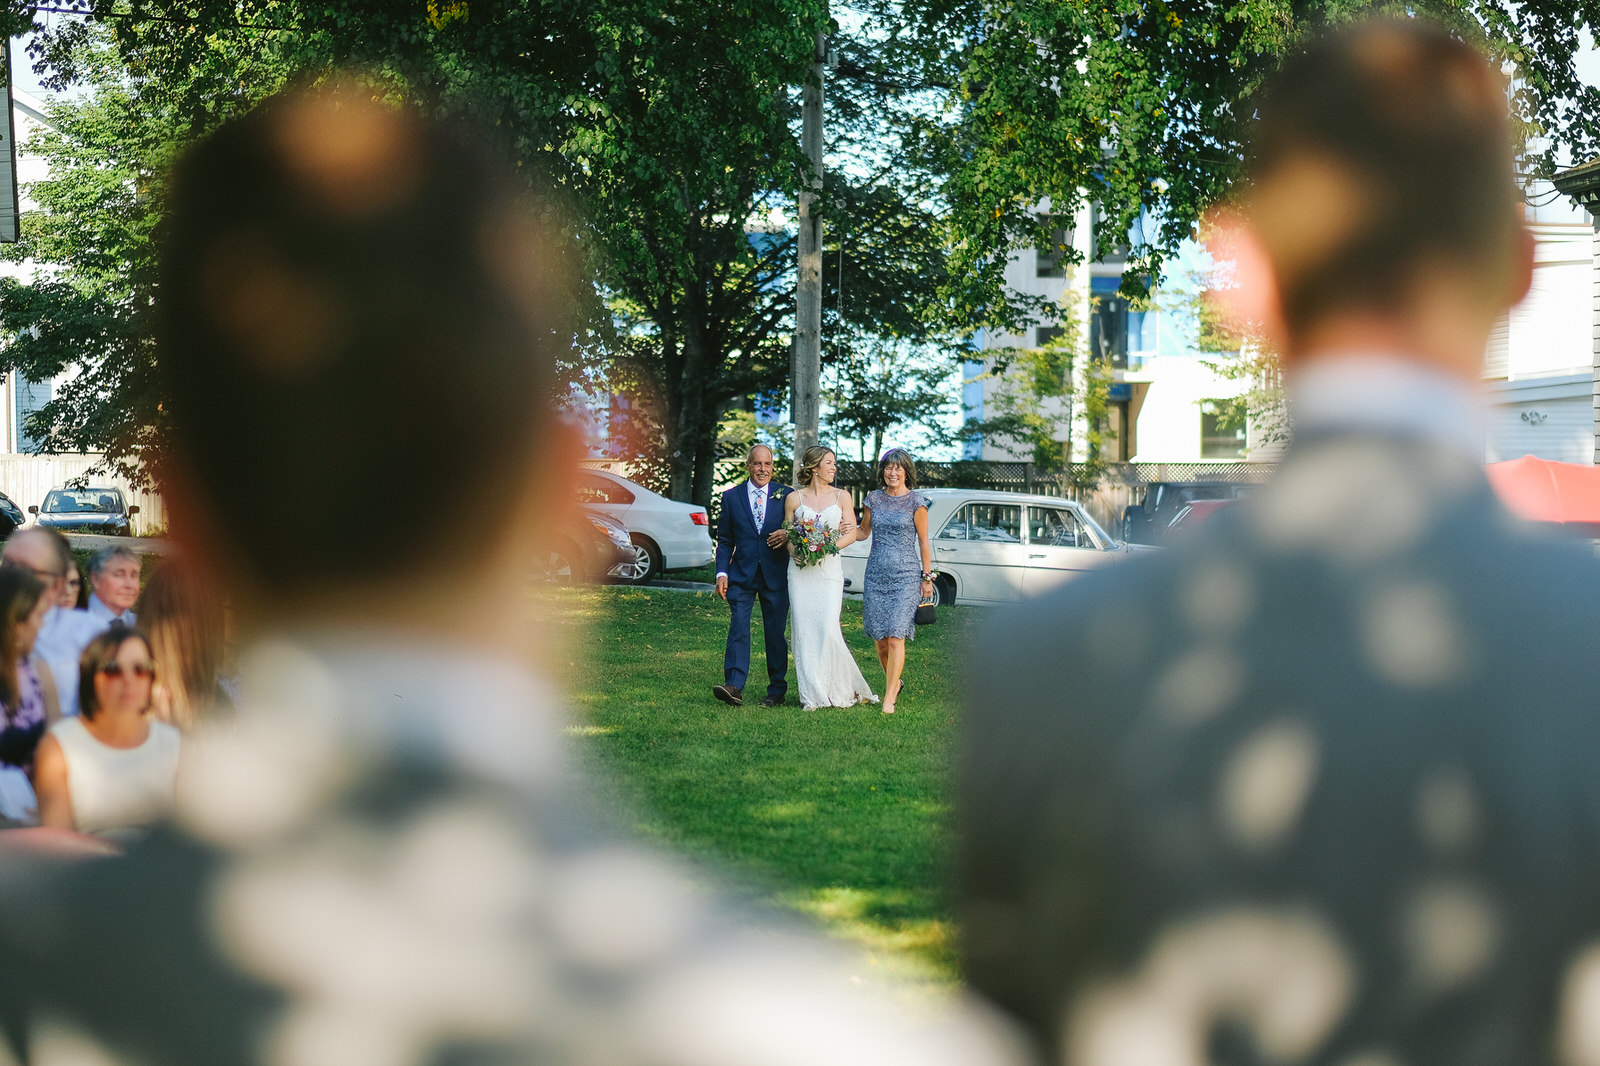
{"points": [[751, 563]]}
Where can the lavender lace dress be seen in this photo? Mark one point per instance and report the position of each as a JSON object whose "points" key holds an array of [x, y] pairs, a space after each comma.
{"points": [[892, 585], [22, 727]]}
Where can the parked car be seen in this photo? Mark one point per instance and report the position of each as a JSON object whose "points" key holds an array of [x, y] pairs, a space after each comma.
{"points": [[1193, 516], [91, 510], [998, 547], [1147, 522], [665, 535], [11, 516], [586, 547]]}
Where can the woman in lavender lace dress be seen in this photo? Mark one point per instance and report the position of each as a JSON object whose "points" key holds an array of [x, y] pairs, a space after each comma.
{"points": [[899, 565]]}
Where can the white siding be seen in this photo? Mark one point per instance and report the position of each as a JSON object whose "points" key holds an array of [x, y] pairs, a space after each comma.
{"points": [[1562, 430]]}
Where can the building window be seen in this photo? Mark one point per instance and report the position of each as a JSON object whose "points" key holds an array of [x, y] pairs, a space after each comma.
{"points": [[1116, 251], [1222, 429], [1046, 334], [1050, 260]]}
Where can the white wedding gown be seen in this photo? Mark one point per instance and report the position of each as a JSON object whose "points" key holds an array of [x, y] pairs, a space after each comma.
{"points": [[828, 674]]}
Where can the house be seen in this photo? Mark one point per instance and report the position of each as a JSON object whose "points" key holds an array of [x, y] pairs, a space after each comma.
{"points": [[1169, 401]]}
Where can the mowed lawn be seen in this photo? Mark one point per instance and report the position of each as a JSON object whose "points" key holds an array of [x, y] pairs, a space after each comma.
{"points": [[839, 813]]}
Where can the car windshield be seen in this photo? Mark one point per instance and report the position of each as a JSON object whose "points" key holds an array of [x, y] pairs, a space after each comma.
{"points": [[83, 501]]}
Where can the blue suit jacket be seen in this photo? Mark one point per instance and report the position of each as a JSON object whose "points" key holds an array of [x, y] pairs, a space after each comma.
{"points": [[741, 547]]}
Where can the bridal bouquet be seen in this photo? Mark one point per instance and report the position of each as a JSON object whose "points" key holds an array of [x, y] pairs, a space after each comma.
{"points": [[811, 540]]}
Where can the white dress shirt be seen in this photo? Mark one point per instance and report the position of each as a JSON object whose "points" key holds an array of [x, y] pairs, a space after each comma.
{"points": [[62, 638], [98, 610], [754, 492]]}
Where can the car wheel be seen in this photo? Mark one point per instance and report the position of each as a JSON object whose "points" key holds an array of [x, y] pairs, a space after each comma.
{"points": [[556, 566], [944, 591], [646, 562]]}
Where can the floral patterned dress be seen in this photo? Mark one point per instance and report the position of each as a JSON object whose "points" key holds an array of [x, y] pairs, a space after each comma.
{"points": [[892, 585]]}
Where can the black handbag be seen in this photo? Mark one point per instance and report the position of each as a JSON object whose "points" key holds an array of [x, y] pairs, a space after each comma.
{"points": [[925, 615]]}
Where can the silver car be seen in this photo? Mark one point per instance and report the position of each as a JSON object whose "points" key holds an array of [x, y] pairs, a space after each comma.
{"points": [[998, 547]]}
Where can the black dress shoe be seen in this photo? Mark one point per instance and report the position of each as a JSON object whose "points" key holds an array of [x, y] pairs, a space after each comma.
{"points": [[773, 701], [733, 697]]}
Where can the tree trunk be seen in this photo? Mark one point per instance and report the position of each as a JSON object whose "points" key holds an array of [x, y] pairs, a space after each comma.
{"points": [[877, 443], [694, 451]]}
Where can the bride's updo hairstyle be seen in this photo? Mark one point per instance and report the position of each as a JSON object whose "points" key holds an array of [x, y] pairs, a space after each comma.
{"points": [[901, 458], [810, 459]]}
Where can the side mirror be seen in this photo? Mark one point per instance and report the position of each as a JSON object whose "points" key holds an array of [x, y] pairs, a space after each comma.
{"points": [[33, 510], [133, 510]]}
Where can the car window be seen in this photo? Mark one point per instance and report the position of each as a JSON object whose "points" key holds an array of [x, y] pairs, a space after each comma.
{"points": [[86, 501], [1000, 522], [1057, 528], [595, 489]]}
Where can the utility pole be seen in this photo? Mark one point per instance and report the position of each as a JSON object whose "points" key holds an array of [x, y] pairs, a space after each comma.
{"points": [[806, 385]]}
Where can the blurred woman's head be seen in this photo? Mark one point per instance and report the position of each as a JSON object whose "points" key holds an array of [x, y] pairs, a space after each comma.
{"points": [[22, 609], [186, 626], [73, 593], [115, 673]]}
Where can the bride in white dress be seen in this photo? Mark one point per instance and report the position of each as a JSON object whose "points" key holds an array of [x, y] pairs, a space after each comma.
{"points": [[827, 672]]}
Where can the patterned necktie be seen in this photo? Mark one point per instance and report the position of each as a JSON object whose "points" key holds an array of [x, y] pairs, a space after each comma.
{"points": [[761, 507]]}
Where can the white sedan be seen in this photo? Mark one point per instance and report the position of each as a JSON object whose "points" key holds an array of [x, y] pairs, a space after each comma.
{"points": [[998, 547], [666, 535]]}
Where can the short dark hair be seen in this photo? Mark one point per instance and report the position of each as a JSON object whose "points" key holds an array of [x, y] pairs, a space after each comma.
{"points": [[101, 650], [901, 458], [1409, 129], [359, 312]]}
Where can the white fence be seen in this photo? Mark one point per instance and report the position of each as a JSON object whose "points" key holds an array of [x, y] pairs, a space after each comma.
{"points": [[26, 479]]}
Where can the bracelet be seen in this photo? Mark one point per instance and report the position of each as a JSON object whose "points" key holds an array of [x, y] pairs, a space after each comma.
{"points": [[927, 575]]}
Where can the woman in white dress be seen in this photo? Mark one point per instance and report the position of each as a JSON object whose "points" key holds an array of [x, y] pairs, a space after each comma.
{"points": [[827, 672], [110, 770]]}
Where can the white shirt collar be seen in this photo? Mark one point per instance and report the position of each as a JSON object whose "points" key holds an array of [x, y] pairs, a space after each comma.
{"points": [[1384, 393]]}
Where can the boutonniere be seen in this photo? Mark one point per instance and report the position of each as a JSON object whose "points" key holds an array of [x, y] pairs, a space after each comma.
{"points": [[777, 494]]}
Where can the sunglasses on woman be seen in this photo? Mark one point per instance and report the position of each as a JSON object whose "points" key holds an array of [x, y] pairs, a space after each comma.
{"points": [[139, 670]]}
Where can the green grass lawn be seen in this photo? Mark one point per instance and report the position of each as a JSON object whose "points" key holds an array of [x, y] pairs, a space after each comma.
{"points": [[838, 813]]}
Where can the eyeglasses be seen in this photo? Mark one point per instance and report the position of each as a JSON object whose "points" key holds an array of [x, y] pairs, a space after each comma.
{"points": [[138, 670]]}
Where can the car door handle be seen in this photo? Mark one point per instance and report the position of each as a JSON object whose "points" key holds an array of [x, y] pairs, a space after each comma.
{"points": [[1039, 556], [944, 551]]}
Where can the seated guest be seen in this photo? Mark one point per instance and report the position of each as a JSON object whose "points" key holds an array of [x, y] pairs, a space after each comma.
{"points": [[65, 633], [110, 770], [74, 594], [186, 626], [114, 585], [26, 708]]}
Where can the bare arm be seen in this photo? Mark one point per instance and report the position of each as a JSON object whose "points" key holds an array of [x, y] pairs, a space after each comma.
{"points": [[920, 518], [849, 532], [47, 686], [790, 502], [864, 530], [50, 785]]}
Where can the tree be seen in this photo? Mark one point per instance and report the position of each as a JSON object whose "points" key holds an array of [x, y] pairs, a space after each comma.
{"points": [[874, 386], [1141, 109], [1044, 395], [92, 308], [669, 126]]}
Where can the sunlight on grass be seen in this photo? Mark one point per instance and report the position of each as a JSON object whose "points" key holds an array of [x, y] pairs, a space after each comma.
{"points": [[914, 949], [590, 730], [839, 815]]}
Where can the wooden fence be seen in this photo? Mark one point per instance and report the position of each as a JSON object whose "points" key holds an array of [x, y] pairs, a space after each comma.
{"points": [[26, 479]]}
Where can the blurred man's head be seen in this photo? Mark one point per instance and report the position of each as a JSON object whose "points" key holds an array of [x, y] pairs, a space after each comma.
{"points": [[1381, 191], [39, 550], [359, 324], [114, 577]]}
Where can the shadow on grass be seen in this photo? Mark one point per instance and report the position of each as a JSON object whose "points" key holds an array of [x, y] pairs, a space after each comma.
{"points": [[838, 814]]}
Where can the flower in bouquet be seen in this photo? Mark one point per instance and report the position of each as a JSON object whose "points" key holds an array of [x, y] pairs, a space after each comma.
{"points": [[811, 539]]}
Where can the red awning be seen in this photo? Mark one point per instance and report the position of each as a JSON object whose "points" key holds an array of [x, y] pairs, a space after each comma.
{"points": [[1543, 490]]}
